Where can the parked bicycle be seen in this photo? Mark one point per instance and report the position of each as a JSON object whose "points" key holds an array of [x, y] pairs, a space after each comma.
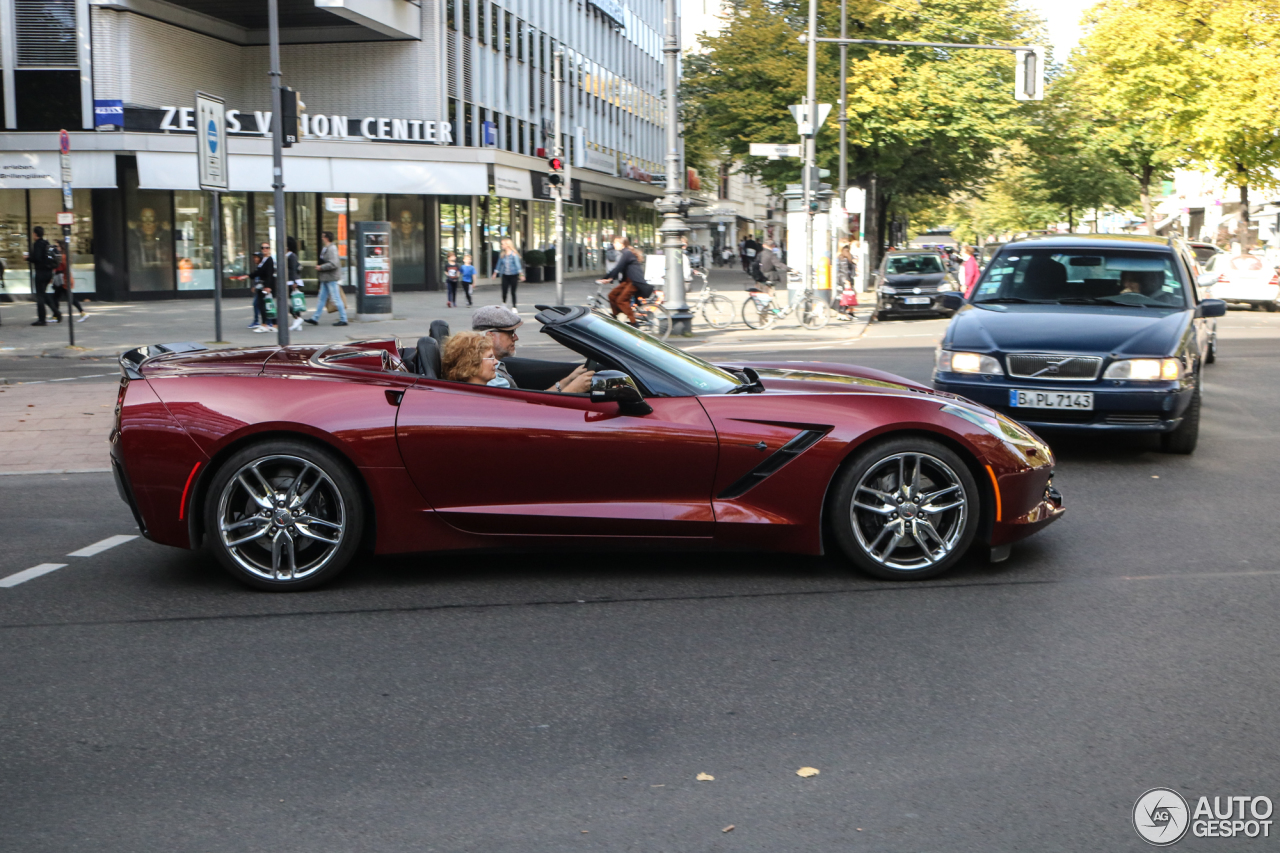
{"points": [[716, 309], [761, 311], [651, 316]]}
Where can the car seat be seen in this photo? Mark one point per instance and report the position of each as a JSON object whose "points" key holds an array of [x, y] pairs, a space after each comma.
{"points": [[1044, 278], [427, 358], [439, 331]]}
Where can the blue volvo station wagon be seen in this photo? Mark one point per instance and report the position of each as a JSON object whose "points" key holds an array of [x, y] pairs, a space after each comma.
{"points": [[1100, 333]]}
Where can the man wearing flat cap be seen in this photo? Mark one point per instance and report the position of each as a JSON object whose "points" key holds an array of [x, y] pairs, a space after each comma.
{"points": [[500, 323]]}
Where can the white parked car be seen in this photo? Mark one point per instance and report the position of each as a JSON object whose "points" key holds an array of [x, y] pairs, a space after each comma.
{"points": [[1243, 280]]}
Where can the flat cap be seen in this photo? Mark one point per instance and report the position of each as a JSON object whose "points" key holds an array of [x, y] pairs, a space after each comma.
{"points": [[491, 317]]}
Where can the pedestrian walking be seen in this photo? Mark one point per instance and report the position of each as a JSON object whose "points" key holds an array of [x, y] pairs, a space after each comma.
{"points": [[293, 275], [328, 271], [43, 260], [968, 270], [452, 278], [510, 269], [468, 277], [264, 278], [60, 289]]}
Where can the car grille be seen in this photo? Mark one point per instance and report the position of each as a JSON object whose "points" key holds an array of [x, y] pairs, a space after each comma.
{"points": [[1133, 420], [1062, 368]]}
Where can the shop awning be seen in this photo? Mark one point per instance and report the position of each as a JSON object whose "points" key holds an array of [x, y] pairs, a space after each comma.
{"points": [[165, 170]]}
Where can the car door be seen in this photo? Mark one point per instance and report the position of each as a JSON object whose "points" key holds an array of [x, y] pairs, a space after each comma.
{"points": [[509, 461]]}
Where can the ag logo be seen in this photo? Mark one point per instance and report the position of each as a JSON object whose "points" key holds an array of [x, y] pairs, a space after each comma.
{"points": [[1161, 817]]}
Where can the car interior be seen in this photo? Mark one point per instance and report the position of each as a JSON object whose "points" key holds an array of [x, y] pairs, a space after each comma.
{"points": [[913, 265], [1086, 277], [424, 359]]}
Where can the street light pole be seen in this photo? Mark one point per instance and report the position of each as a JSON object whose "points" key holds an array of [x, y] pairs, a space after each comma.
{"points": [[810, 142], [557, 148], [673, 226], [277, 176], [843, 183]]}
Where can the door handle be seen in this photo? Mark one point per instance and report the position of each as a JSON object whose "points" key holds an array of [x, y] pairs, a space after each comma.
{"points": [[394, 397]]}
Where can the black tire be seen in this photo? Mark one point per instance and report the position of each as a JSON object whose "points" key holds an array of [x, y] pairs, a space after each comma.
{"points": [[1212, 355], [718, 311], [814, 313], [1183, 439], [301, 545], [942, 474], [757, 316]]}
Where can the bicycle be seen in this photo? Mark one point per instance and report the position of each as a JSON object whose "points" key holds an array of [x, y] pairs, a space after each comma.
{"points": [[760, 311], [716, 309], [652, 316]]}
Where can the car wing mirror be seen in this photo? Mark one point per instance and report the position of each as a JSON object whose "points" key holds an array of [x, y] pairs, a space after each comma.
{"points": [[952, 300], [1212, 308], [614, 386], [1207, 279]]}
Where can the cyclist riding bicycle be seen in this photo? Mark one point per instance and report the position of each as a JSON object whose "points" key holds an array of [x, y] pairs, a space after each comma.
{"points": [[629, 273]]}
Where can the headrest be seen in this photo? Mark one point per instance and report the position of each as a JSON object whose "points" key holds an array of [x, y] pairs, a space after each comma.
{"points": [[439, 331], [428, 360]]}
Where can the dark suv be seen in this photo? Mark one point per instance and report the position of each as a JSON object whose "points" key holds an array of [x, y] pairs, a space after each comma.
{"points": [[1086, 332], [910, 282]]}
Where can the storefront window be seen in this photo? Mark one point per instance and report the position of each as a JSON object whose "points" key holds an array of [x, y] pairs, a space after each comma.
{"points": [[455, 227], [82, 242], [408, 241], [302, 225], [148, 236], [193, 239], [15, 239], [333, 218], [237, 256]]}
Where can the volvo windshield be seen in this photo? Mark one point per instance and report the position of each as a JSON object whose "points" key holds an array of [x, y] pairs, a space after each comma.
{"points": [[1082, 276]]}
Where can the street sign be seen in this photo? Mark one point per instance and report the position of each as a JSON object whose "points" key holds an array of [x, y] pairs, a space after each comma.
{"points": [[66, 219], [800, 113], [211, 142], [64, 142], [774, 151]]}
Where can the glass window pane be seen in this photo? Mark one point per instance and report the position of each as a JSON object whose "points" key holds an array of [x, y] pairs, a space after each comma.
{"points": [[408, 241], [148, 235], [15, 240], [237, 251], [193, 239], [333, 218]]}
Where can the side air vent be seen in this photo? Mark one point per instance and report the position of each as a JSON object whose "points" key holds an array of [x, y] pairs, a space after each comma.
{"points": [[770, 466]]}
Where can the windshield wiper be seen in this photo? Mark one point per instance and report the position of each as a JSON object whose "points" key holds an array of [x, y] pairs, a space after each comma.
{"points": [[1018, 299]]}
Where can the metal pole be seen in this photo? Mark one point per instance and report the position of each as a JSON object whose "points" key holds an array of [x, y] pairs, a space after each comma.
{"points": [[557, 148], [217, 266], [843, 182], [810, 142], [673, 226], [66, 279], [277, 176]]}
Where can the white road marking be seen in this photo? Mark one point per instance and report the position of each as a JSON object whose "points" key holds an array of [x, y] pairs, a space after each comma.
{"points": [[28, 574], [98, 547]]}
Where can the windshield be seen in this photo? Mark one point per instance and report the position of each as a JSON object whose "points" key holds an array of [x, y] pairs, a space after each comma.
{"points": [[1204, 254], [1089, 276], [912, 264], [679, 365]]}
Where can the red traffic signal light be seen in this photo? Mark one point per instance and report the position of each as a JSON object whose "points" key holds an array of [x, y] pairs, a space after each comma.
{"points": [[556, 164]]}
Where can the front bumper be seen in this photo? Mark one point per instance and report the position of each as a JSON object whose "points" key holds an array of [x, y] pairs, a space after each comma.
{"points": [[1046, 509], [1118, 406], [896, 303]]}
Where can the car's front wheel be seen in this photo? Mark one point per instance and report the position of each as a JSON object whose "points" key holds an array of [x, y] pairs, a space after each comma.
{"points": [[905, 508], [1187, 435], [283, 515]]}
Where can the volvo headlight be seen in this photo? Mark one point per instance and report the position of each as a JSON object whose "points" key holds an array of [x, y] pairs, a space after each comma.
{"points": [[1145, 369], [968, 362]]}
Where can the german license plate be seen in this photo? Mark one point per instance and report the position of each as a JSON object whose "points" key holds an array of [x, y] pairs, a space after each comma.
{"points": [[917, 300], [1081, 400]]}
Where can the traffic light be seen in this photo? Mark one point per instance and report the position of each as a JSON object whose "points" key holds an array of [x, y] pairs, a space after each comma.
{"points": [[291, 107], [1028, 76], [815, 178], [556, 165]]}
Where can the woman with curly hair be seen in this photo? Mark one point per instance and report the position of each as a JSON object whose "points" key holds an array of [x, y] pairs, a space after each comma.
{"points": [[468, 357]]}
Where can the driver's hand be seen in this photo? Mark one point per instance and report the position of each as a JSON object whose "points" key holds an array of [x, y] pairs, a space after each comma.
{"points": [[578, 382]]}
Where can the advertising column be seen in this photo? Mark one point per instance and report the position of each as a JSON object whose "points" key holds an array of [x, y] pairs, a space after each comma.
{"points": [[373, 270]]}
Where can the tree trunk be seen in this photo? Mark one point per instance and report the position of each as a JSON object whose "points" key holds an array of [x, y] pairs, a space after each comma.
{"points": [[1242, 231], [1071, 223], [1144, 192], [882, 228]]}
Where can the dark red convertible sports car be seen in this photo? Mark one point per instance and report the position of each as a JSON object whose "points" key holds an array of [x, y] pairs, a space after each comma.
{"points": [[285, 461]]}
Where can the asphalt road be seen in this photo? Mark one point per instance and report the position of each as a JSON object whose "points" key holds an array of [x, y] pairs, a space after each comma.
{"points": [[567, 702]]}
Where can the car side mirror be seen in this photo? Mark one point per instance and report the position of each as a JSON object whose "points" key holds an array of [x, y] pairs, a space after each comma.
{"points": [[1212, 308], [1207, 279], [614, 386], [952, 300]]}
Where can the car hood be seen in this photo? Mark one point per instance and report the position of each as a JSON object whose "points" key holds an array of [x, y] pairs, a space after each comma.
{"points": [[822, 378], [1068, 329], [915, 279]]}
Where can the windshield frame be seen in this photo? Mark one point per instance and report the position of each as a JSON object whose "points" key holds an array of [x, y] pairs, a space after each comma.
{"points": [[660, 369], [889, 259], [1118, 300]]}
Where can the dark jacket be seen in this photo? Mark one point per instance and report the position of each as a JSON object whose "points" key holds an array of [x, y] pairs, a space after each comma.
{"points": [[774, 270], [293, 267], [41, 259], [265, 274], [629, 267]]}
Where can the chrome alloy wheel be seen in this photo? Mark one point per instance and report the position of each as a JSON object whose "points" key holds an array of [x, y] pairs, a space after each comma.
{"points": [[281, 518], [909, 511]]}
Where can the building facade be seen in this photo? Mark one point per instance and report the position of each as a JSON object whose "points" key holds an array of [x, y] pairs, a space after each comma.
{"points": [[435, 115]]}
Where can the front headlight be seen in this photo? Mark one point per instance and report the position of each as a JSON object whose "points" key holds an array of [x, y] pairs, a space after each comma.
{"points": [[1145, 369], [1007, 430], [968, 362], [886, 289], [947, 285]]}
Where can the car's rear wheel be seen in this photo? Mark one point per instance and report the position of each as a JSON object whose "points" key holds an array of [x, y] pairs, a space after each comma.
{"points": [[284, 515], [1212, 355], [905, 509], [1184, 438]]}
